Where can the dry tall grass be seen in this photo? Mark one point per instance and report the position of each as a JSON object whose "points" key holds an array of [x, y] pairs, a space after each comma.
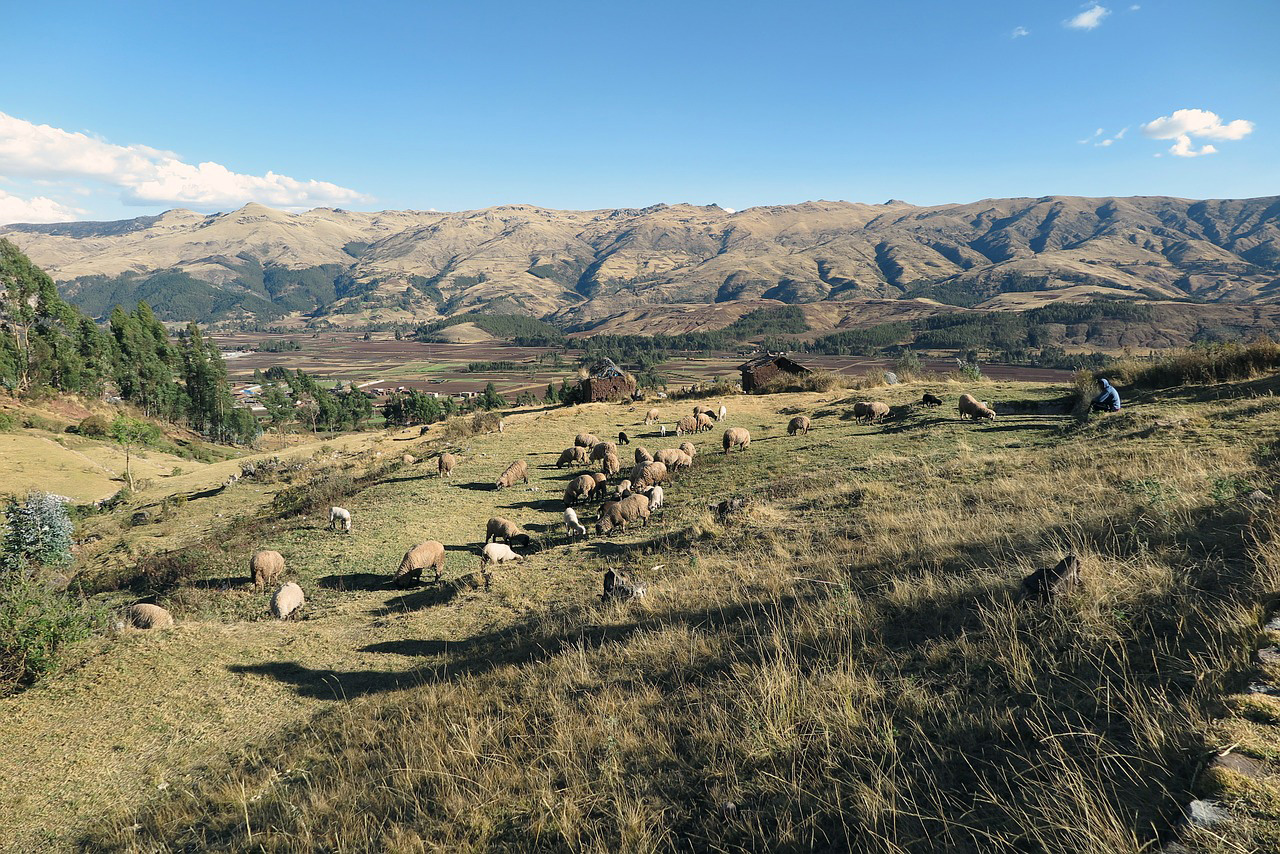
{"points": [[843, 667]]}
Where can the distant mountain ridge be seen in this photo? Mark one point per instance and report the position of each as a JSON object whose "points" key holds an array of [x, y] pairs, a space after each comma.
{"points": [[580, 267]]}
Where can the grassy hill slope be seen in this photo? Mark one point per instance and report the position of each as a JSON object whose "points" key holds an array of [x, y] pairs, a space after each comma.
{"points": [[842, 666]]}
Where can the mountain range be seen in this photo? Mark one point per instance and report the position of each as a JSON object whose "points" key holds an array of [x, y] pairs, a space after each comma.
{"points": [[584, 267]]}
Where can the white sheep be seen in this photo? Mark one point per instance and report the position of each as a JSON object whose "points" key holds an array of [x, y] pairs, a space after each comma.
{"points": [[287, 599], [662, 430], [572, 527], [340, 517], [655, 498], [720, 416]]}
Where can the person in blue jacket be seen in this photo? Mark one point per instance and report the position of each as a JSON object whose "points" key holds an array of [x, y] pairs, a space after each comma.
{"points": [[1108, 400]]}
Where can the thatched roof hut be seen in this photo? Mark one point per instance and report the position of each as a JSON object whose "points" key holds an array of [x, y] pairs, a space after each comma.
{"points": [[761, 369], [606, 381]]}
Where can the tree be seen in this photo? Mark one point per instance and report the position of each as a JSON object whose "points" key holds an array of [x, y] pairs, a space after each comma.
{"points": [[490, 399], [279, 407], [130, 433], [36, 531]]}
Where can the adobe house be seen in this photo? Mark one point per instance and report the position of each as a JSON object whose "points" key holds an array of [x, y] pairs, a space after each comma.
{"points": [[762, 369], [606, 381]]}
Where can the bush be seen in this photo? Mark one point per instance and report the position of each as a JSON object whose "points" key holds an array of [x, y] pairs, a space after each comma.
{"points": [[818, 380], [35, 623], [39, 422], [1205, 363], [315, 494], [7, 422], [95, 426], [37, 532]]}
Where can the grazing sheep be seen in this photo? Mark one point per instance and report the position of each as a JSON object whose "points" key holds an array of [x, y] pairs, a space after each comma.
{"points": [[1047, 582], [930, 400], [649, 474], [616, 514], [266, 567], [624, 488], [674, 458], [705, 422], [686, 424], [799, 424], [340, 517], [572, 527], [689, 449], [970, 407], [738, 436], [874, 410], [408, 459], [623, 438], [644, 455], [418, 558], [698, 409], [147, 616], [619, 586], [861, 410], [517, 471], [572, 456], [723, 413], [600, 478], [497, 553], [602, 449], [653, 416], [446, 464], [611, 465], [655, 498], [730, 505], [586, 440], [287, 600], [504, 529], [580, 487]]}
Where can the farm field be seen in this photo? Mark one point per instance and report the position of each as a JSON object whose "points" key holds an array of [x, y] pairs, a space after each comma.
{"points": [[794, 661]]}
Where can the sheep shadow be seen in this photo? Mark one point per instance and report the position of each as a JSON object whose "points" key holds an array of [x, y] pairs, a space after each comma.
{"points": [[433, 594], [547, 505], [406, 479], [417, 647], [225, 583], [477, 486], [354, 581]]}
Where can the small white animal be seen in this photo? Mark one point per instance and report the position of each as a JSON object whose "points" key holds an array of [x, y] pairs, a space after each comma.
{"points": [[655, 498], [572, 527], [340, 517], [722, 413], [662, 430]]}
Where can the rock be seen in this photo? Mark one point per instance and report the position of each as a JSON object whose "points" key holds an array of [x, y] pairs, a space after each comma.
{"points": [[1239, 764], [890, 378], [1273, 625], [619, 586], [1046, 583], [1259, 496], [1262, 688], [1206, 814], [1269, 655]]}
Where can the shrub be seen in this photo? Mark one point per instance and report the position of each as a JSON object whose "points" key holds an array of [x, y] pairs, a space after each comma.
{"points": [[314, 494], [37, 532], [39, 422], [818, 380], [1203, 363], [7, 422], [94, 425], [35, 623]]}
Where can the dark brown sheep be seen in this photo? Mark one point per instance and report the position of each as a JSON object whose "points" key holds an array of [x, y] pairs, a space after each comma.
{"points": [[616, 514], [799, 424], [515, 473]]}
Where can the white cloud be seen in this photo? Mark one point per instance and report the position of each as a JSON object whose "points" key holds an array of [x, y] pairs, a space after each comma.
{"points": [[1019, 32], [1089, 19], [37, 209], [1183, 147], [146, 175], [1105, 143], [1196, 123], [1135, 7], [1091, 137], [1121, 134]]}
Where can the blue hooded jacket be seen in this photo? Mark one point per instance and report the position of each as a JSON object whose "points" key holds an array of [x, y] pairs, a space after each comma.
{"points": [[1109, 396]]}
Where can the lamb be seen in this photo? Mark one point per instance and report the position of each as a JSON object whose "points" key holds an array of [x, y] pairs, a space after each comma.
{"points": [[497, 553], [649, 474], [572, 527], [504, 529], [580, 487], [287, 600], [727, 507], [722, 414], [930, 400], [705, 422], [662, 430], [738, 436], [689, 449], [340, 517], [624, 489], [1047, 582], [655, 498], [619, 586], [623, 438], [266, 567], [575, 455], [147, 616], [653, 416], [517, 471], [970, 407], [418, 558], [616, 514], [600, 478], [799, 424], [687, 424], [644, 455], [446, 463], [611, 464], [586, 440], [601, 449]]}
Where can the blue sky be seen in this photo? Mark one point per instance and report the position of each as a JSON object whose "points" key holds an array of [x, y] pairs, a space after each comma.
{"points": [[108, 110]]}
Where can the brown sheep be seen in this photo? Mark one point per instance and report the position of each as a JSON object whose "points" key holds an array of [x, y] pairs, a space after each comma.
{"points": [[673, 458], [970, 407], [287, 599], [653, 416], [624, 488], [601, 449], [616, 514], [147, 616], [504, 529], [266, 567], [686, 424], [1047, 582], [706, 421], [873, 410], [689, 449], [799, 424], [738, 436], [698, 409], [611, 465], [418, 558], [516, 472], [600, 478], [446, 464], [580, 487], [644, 455], [572, 456], [649, 474], [586, 440]]}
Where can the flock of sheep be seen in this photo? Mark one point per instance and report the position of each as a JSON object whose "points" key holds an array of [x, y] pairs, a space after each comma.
{"points": [[630, 500]]}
